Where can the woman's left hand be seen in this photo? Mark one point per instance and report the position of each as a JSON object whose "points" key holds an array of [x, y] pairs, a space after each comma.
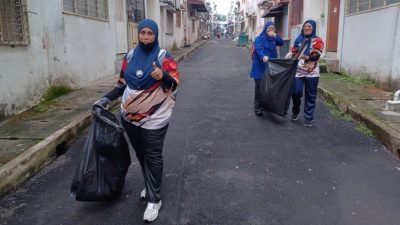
{"points": [[157, 73]]}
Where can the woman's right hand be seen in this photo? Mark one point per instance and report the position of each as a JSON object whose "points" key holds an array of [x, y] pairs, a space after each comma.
{"points": [[289, 55], [265, 59]]}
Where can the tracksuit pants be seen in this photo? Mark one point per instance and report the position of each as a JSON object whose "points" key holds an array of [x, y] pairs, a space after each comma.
{"points": [[148, 145], [310, 87]]}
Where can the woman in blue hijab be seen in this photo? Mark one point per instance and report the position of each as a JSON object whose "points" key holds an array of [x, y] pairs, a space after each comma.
{"points": [[147, 82], [264, 49], [307, 74]]}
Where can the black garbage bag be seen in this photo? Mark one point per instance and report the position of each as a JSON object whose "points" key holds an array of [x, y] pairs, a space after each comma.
{"points": [[101, 173], [276, 85]]}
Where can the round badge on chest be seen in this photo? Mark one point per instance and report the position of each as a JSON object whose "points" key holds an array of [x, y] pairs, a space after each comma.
{"points": [[139, 73]]}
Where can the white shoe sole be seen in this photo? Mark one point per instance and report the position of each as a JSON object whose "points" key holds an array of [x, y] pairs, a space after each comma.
{"points": [[154, 217]]}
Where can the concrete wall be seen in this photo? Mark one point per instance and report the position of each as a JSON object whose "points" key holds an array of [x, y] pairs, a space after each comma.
{"points": [[193, 33], [178, 31], [312, 11], [373, 54], [64, 48]]}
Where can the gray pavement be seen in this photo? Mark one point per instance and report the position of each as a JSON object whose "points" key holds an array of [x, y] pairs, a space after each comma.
{"points": [[224, 165]]}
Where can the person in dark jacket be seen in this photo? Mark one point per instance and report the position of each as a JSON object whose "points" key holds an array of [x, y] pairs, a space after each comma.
{"points": [[264, 49], [307, 74], [148, 79]]}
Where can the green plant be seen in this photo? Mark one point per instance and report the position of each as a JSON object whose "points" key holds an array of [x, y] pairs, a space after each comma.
{"points": [[364, 130], [334, 111], [56, 91], [350, 79], [174, 47], [41, 107], [52, 93]]}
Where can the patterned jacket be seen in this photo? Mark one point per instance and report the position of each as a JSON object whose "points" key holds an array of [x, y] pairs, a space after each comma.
{"points": [[150, 108]]}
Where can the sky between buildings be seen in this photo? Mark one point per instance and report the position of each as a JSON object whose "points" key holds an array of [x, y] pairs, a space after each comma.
{"points": [[223, 6]]}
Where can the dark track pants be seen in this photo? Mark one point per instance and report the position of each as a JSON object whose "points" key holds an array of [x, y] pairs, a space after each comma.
{"points": [[148, 145], [310, 87], [257, 97]]}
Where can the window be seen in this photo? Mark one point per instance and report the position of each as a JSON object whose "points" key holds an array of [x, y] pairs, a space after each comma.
{"points": [[178, 19], [170, 23], [358, 6], [13, 22], [135, 10], [90, 8]]}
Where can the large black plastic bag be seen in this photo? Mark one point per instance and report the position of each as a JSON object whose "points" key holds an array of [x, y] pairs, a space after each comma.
{"points": [[276, 85], [105, 162]]}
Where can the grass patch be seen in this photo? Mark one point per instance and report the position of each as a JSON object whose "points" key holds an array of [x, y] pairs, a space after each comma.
{"points": [[364, 130], [174, 47], [42, 107], [334, 111], [56, 91], [52, 93], [350, 79]]}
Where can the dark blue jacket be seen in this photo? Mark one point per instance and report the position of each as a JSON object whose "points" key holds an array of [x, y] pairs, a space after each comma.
{"points": [[264, 46]]}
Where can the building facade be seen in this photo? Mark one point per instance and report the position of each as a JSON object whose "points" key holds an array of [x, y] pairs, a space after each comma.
{"points": [[66, 42], [76, 42]]}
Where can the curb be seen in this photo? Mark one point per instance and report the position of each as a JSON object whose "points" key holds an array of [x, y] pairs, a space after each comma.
{"points": [[35, 158], [16, 171], [387, 135]]}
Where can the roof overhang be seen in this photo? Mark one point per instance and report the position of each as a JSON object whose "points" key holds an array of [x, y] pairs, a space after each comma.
{"points": [[197, 5], [168, 5], [274, 11]]}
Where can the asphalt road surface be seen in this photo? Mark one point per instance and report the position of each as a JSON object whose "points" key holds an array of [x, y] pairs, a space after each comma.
{"points": [[223, 165]]}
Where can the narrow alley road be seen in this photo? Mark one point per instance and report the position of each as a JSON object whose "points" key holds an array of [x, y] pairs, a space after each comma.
{"points": [[223, 165]]}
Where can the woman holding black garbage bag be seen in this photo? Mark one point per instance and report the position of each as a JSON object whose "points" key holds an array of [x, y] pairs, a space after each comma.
{"points": [[147, 82], [264, 49], [307, 74]]}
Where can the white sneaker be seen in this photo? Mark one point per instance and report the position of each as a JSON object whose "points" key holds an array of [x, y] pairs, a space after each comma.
{"points": [[143, 194], [151, 212]]}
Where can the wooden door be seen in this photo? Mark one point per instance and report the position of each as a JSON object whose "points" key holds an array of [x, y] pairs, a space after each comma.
{"points": [[132, 35], [333, 25]]}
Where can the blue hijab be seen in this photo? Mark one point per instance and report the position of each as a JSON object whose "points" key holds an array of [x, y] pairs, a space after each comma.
{"points": [[300, 39], [263, 36], [142, 60]]}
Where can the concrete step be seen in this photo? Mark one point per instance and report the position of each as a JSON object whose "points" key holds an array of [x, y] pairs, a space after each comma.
{"points": [[332, 55]]}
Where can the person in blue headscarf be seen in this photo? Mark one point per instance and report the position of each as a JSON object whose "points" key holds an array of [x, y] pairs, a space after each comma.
{"points": [[148, 80], [307, 74], [264, 49]]}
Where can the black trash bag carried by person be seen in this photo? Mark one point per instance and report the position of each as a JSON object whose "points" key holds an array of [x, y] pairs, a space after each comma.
{"points": [[101, 173], [276, 85]]}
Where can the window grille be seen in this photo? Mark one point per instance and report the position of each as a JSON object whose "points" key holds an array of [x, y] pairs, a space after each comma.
{"points": [[97, 9], [135, 10], [13, 22], [178, 19], [170, 23], [358, 6]]}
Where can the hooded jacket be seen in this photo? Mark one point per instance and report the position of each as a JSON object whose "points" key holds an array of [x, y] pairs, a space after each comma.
{"points": [[264, 46]]}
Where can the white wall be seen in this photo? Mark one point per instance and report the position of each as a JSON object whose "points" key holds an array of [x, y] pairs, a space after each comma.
{"points": [[178, 31], [153, 10], [395, 76], [64, 48], [371, 45], [312, 11]]}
